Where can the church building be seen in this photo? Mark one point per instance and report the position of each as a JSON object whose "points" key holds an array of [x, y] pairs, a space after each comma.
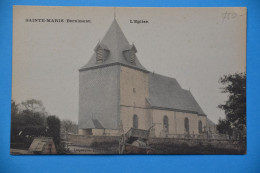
{"points": [[117, 93]]}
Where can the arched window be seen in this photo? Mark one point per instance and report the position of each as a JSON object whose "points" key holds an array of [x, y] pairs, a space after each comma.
{"points": [[200, 126], [166, 123], [186, 125], [135, 122]]}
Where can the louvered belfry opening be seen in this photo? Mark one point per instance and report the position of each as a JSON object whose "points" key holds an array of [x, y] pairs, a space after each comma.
{"points": [[130, 54], [131, 57], [100, 55]]}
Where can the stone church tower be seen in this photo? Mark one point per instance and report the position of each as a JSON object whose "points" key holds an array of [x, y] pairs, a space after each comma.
{"points": [[116, 91]]}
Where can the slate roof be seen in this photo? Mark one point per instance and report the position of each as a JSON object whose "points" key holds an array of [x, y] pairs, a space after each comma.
{"points": [[166, 93], [116, 42], [94, 124]]}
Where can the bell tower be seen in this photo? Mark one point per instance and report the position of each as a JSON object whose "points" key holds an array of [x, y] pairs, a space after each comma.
{"points": [[99, 79]]}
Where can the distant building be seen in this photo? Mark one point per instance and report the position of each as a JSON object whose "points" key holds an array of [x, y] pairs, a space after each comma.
{"points": [[43, 145], [119, 93]]}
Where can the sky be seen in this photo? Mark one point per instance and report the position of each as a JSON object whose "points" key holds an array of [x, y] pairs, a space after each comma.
{"points": [[196, 46]]}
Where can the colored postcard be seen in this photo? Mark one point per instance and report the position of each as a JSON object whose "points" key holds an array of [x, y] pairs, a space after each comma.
{"points": [[128, 80]]}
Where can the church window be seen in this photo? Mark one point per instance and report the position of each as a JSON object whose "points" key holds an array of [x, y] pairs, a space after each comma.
{"points": [[186, 125], [200, 126], [135, 122], [166, 123]]}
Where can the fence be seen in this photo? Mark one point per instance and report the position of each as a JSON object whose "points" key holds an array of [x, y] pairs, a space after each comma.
{"points": [[179, 144]]}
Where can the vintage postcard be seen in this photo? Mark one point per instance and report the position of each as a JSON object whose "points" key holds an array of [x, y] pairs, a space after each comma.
{"points": [[117, 80]]}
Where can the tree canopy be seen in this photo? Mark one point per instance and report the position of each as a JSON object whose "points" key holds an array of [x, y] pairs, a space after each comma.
{"points": [[30, 120], [235, 106], [53, 128]]}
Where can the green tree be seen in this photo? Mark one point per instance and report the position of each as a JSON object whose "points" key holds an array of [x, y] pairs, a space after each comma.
{"points": [[235, 106], [53, 128], [14, 112], [28, 121], [224, 127], [14, 108]]}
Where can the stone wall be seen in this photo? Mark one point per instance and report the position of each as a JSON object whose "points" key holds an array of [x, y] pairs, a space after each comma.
{"points": [[82, 140], [133, 94], [133, 87], [197, 146]]}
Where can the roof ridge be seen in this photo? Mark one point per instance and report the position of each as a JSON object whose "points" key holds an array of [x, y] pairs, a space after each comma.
{"points": [[163, 75], [165, 92]]}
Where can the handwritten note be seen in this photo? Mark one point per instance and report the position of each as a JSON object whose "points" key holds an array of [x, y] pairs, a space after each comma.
{"points": [[228, 16]]}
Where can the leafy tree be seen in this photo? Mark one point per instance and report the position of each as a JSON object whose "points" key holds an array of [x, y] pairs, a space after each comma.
{"points": [[28, 121], [30, 113], [14, 113], [224, 127], [14, 108], [53, 128], [235, 106]]}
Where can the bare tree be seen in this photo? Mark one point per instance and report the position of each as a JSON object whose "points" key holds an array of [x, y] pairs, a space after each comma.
{"points": [[69, 126], [33, 106]]}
